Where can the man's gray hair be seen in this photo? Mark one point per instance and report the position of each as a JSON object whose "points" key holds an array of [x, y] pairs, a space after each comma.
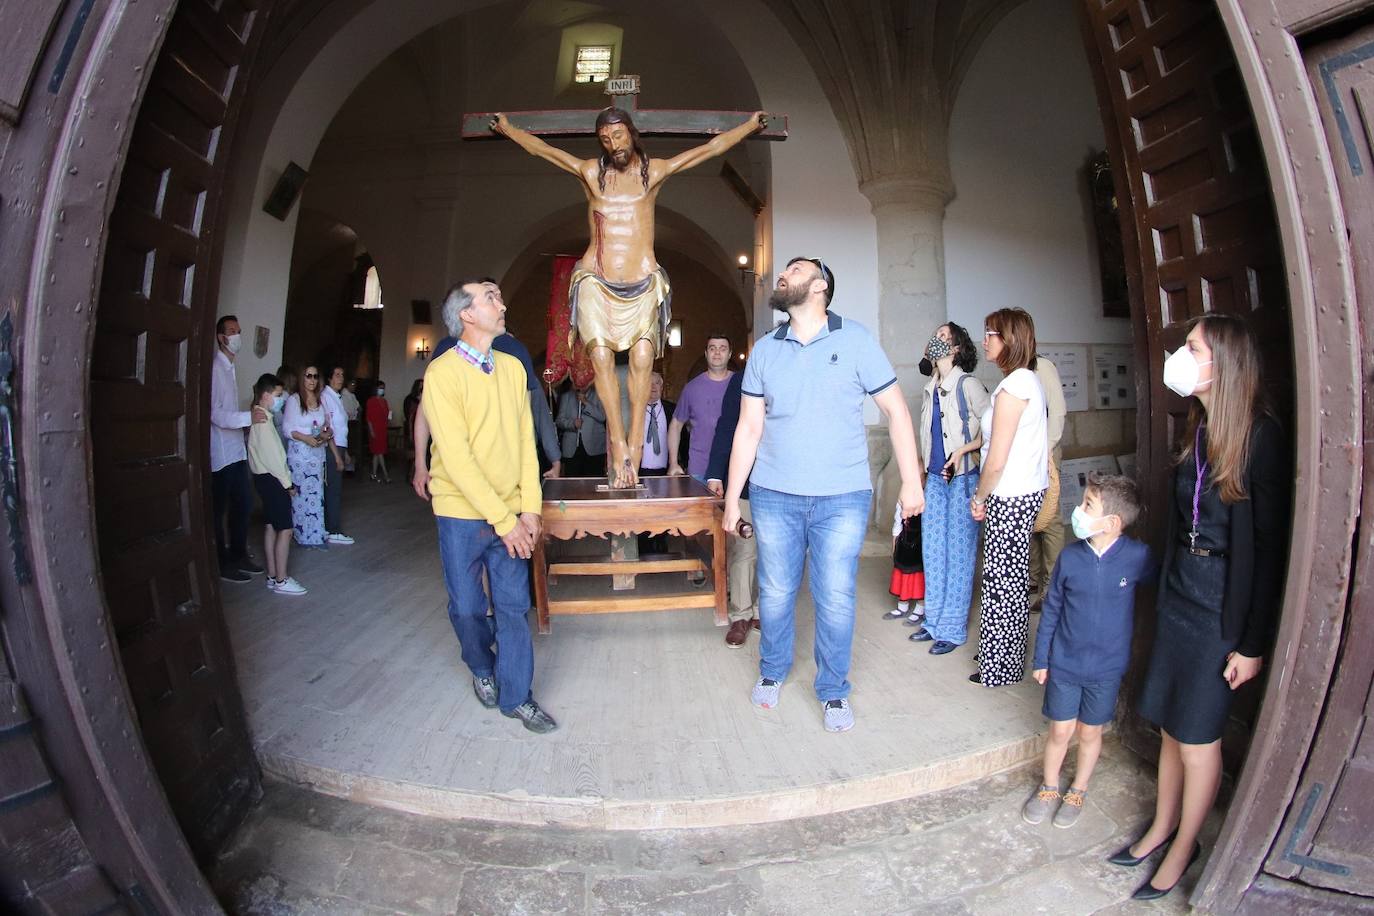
{"points": [[455, 300]]}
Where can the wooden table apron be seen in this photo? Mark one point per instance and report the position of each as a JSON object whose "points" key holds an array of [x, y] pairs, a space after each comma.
{"points": [[574, 508]]}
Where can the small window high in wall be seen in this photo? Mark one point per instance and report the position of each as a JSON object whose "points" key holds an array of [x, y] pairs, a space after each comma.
{"points": [[592, 63], [372, 291]]}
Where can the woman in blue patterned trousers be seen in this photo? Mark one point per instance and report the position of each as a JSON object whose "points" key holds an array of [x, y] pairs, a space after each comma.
{"points": [[952, 406]]}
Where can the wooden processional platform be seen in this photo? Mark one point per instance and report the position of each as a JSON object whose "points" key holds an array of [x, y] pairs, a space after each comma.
{"points": [[357, 690], [578, 508]]}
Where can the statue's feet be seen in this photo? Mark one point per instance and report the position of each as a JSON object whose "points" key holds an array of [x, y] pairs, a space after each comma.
{"points": [[622, 474], [628, 479]]}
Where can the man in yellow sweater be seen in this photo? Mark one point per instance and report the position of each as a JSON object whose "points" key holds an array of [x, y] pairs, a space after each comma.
{"points": [[484, 486]]}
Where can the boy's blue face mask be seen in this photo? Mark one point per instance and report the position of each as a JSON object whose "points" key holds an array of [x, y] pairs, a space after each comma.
{"points": [[1084, 524]]}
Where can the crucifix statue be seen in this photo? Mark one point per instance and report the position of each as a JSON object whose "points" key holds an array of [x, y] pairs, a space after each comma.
{"points": [[619, 295]]}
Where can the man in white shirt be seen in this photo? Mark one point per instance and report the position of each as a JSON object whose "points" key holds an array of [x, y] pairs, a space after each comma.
{"points": [[349, 398], [655, 461], [230, 485], [334, 461], [1046, 545]]}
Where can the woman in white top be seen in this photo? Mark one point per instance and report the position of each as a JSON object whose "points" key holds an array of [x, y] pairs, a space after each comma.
{"points": [[1010, 489], [306, 425]]}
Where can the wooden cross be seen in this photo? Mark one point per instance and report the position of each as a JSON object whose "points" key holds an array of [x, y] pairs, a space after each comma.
{"points": [[624, 93]]}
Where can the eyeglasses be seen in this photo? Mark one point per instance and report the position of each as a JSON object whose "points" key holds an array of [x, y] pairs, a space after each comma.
{"points": [[989, 332], [826, 275], [312, 375]]}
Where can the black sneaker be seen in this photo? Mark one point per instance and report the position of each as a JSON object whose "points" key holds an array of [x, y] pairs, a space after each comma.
{"points": [[249, 565], [234, 574], [486, 691], [534, 718]]}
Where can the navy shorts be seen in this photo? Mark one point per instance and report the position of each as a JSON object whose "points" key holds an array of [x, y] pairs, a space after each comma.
{"points": [[276, 503], [1091, 704]]}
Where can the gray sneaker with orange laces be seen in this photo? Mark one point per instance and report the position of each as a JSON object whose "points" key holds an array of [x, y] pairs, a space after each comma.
{"points": [[1045, 800], [1072, 807]]}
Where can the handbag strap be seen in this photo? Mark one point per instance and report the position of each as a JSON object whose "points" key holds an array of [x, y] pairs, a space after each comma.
{"points": [[963, 415]]}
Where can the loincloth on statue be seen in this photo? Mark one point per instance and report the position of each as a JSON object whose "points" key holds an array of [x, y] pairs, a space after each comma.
{"points": [[619, 315]]}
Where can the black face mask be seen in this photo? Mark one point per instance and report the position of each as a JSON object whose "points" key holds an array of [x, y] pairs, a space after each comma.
{"points": [[926, 366]]}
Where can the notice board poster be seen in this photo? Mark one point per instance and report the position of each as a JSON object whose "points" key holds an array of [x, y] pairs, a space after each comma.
{"points": [[1073, 480], [1113, 386], [1072, 362]]}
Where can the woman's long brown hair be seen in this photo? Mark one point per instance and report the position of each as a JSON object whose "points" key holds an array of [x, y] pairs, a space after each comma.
{"points": [[1236, 403], [302, 393]]}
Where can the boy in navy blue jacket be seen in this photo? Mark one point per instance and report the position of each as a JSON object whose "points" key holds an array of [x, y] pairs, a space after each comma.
{"points": [[1084, 641]]}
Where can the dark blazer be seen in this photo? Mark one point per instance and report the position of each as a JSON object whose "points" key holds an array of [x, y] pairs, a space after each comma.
{"points": [[1257, 554], [593, 431], [718, 466]]}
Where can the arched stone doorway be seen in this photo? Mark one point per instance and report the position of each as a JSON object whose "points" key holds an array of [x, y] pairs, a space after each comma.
{"points": [[72, 718]]}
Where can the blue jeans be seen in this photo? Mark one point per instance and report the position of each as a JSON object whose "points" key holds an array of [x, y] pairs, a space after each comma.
{"points": [[949, 550], [467, 547], [829, 532]]}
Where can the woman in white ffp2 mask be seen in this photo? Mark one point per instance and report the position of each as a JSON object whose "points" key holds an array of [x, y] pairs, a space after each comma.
{"points": [[1221, 582]]}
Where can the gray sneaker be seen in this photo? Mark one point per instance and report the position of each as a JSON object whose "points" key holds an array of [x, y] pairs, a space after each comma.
{"points": [[1068, 812], [1045, 799], [487, 694], [765, 693], [534, 718], [838, 716]]}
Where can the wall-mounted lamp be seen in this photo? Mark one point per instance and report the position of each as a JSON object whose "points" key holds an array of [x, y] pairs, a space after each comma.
{"points": [[675, 333], [422, 349], [746, 276]]}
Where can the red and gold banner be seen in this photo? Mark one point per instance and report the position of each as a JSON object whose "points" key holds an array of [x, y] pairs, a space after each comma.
{"points": [[562, 359]]}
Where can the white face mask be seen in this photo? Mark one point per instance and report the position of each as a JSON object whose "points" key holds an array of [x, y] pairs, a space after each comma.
{"points": [[232, 342], [381, 392], [1083, 524], [278, 402], [1181, 371]]}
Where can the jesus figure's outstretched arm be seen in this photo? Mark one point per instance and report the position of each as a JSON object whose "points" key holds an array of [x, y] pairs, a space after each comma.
{"points": [[536, 147], [717, 145]]}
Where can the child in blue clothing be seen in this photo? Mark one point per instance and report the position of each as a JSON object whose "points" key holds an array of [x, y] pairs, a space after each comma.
{"points": [[1084, 641]]}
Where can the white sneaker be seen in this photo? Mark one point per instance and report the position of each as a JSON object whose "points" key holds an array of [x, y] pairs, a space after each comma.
{"points": [[271, 584], [289, 586], [338, 537]]}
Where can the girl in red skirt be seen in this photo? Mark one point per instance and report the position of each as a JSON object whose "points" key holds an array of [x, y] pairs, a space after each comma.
{"points": [[908, 572]]}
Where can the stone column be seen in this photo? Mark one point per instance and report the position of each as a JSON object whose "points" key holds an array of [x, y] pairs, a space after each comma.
{"points": [[910, 215]]}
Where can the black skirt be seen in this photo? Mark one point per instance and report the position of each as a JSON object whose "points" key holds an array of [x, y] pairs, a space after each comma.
{"points": [[1184, 692]]}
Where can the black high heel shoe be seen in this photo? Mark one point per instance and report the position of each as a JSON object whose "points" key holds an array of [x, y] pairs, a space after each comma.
{"points": [[1148, 891], [1124, 858]]}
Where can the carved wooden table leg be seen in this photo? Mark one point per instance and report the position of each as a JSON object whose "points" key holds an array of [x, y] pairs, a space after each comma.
{"points": [[718, 568], [539, 568]]}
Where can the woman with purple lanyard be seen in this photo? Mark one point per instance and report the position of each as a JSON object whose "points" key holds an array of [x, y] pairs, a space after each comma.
{"points": [[1220, 586]]}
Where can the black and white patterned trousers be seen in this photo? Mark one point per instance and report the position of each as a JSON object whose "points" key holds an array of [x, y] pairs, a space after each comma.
{"points": [[1005, 607]]}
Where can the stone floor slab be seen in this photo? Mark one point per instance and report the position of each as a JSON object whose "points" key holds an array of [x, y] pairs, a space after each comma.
{"points": [[415, 882], [706, 895], [855, 882], [521, 892], [1062, 888], [957, 852]]}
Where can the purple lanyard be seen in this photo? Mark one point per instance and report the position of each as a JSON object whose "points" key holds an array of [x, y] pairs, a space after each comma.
{"points": [[1202, 467]]}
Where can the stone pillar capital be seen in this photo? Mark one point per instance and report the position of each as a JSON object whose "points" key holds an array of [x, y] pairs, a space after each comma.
{"points": [[908, 192]]}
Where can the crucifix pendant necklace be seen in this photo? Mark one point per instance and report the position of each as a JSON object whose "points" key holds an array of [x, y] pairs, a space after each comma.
{"points": [[1201, 467]]}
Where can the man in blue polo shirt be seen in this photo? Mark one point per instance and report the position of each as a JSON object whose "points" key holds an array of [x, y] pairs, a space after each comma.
{"points": [[801, 435]]}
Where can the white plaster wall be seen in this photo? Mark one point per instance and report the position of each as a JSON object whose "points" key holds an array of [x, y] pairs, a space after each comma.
{"points": [[293, 106], [1018, 231], [814, 202]]}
